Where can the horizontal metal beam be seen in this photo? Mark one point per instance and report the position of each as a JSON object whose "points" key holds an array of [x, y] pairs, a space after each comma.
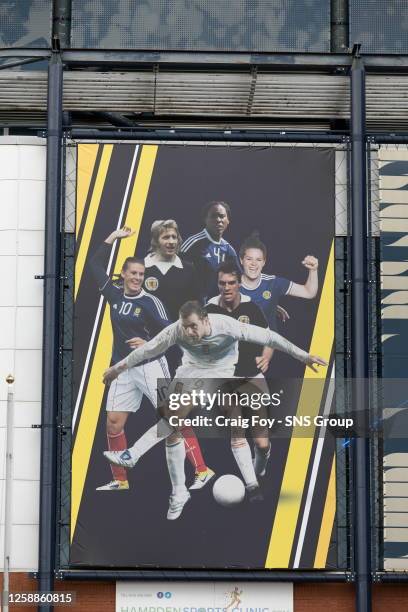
{"points": [[200, 575], [401, 138], [27, 52], [22, 62], [207, 136], [302, 61], [202, 58], [390, 577]]}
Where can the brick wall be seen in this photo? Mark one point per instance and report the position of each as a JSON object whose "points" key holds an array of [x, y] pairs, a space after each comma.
{"points": [[100, 596]]}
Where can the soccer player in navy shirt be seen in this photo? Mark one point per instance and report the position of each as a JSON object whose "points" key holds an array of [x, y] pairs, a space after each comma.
{"points": [[208, 249], [136, 317], [267, 289], [175, 282]]}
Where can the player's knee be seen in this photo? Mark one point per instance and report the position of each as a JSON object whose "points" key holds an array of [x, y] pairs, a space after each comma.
{"points": [[114, 424], [262, 443], [238, 442], [173, 438]]}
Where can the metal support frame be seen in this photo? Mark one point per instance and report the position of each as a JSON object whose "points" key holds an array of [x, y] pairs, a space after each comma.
{"points": [[359, 336], [130, 59], [392, 138], [115, 119], [51, 329], [30, 60], [202, 575], [205, 135], [330, 62]]}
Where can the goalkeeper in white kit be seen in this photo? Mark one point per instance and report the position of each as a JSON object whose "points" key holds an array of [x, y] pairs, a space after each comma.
{"points": [[210, 350]]}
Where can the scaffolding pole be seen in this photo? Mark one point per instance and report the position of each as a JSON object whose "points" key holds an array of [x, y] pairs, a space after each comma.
{"points": [[359, 337], [51, 330]]}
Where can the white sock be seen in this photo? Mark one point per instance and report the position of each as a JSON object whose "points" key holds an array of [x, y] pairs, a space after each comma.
{"points": [[242, 454], [176, 455], [150, 438], [261, 459]]}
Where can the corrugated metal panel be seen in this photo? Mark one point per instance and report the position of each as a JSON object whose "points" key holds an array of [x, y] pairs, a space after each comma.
{"points": [[114, 91], [206, 94], [202, 94], [26, 90], [300, 95], [23, 117]]}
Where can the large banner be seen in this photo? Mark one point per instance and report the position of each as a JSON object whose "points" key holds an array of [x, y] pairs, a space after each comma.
{"points": [[241, 239]]}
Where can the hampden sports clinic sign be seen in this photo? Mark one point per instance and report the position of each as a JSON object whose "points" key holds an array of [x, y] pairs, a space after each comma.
{"points": [[203, 597]]}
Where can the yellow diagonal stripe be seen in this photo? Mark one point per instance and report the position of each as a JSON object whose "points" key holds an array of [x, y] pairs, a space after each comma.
{"points": [[87, 154], [293, 482], [92, 212], [94, 392], [89, 417], [137, 203], [327, 521]]}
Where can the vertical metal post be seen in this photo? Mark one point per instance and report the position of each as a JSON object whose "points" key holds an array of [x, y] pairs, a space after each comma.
{"points": [[339, 26], [61, 22], [51, 345], [8, 520], [359, 336]]}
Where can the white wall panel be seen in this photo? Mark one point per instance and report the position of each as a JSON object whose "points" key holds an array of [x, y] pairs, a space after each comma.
{"points": [[8, 242], [28, 375], [30, 242], [8, 162], [8, 268], [3, 408], [27, 414], [25, 506], [29, 289], [32, 163], [24, 551], [29, 327], [22, 195], [26, 498], [3, 453], [9, 203], [7, 324], [2, 501], [27, 461], [31, 205]]}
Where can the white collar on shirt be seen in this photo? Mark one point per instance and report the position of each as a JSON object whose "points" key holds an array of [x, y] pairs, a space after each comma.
{"points": [[220, 241], [216, 300], [152, 259]]}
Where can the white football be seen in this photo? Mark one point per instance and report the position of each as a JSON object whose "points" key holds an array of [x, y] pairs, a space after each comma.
{"points": [[229, 490]]}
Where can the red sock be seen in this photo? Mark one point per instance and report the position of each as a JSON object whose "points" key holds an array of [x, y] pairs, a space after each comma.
{"points": [[193, 450], [118, 442]]}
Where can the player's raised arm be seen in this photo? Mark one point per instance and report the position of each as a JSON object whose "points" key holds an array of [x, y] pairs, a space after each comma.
{"points": [[155, 347], [309, 290], [266, 337], [100, 258]]}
